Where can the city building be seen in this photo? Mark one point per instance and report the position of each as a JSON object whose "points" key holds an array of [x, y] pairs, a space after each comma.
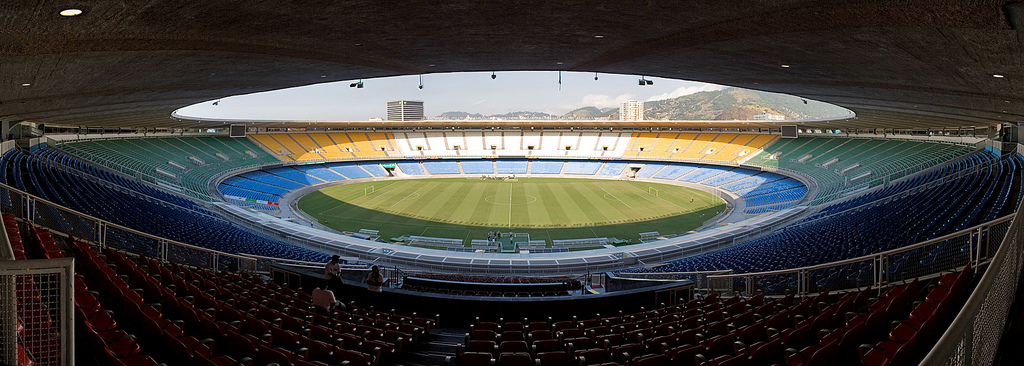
{"points": [[631, 110], [405, 110], [769, 117]]}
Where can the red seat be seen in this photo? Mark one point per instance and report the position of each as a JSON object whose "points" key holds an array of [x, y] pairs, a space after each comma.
{"points": [[813, 356], [353, 357], [554, 358], [475, 359], [514, 359]]}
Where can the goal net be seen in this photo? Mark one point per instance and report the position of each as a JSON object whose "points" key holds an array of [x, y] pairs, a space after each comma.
{"points": [[653, 191], [367, 190]]}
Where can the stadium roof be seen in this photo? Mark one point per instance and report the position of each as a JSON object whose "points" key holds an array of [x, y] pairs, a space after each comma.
{"points": [[906, 64]]}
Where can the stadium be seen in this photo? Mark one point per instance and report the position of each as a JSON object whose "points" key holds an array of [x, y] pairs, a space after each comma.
{"points": [[136, 235]]}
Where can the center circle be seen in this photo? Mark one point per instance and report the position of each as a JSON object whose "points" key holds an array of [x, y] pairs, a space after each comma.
{"points": [[497, 200]]}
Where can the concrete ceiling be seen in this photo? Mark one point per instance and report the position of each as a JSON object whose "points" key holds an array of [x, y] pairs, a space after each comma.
{"points": [[897, 64]]}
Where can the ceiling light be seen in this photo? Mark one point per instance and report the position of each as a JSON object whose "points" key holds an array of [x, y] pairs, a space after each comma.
{"points": [[598, 36], [70, 12], [785, 66], [998, 76], [26, 84], [358, 45], [558, 63]]}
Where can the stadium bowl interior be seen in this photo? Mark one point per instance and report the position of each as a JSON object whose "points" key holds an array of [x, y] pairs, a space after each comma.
{"points": [[96, 167]]}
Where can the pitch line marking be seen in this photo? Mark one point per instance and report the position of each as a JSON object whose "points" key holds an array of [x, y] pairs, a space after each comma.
{"points": [[407, 197], [658, 197], [616, 198]]}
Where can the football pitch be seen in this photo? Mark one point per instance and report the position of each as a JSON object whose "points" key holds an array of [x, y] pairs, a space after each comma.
{"points": [[546, 208]]}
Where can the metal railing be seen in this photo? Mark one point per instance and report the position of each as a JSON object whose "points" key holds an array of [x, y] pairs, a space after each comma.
{"points": [[48, 336], [67, 222], [699, 278], [945, 253], [263, 263], [973, 337]]}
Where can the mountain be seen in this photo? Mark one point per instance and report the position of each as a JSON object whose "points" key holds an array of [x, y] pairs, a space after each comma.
{"points": [[523, 115], [590, 113], [459, 115], [736, 103], [747, 112], [725, 104]]}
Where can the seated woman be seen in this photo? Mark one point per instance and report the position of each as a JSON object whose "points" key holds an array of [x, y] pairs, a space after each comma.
{"points": [[374, 279]]}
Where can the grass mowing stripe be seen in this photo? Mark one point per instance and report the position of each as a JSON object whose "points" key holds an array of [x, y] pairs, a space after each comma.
{"points": [[588, 202], [471, 199], [425, 206], [574, 213], [499, 213], [624, 205], [535, 209], [483, 208], [452, 194], [436, 203], [521, 209], [555, 211]]}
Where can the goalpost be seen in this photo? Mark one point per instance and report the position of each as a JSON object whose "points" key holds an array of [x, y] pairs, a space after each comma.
{"points": [[367, 191], [653, 191]]}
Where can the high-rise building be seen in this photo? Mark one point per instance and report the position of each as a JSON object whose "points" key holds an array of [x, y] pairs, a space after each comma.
{"points": [[405, 110], [631, 110]]}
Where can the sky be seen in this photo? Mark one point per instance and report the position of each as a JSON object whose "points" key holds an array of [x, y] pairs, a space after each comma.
{"points": [[472, 92]]}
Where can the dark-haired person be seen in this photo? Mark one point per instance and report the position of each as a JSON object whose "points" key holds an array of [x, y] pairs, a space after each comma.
{"points": [[374, 279], [332, 273], [325, 301]]}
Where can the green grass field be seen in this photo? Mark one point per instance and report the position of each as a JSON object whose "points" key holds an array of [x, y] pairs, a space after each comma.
{"points": [[546, 208]]}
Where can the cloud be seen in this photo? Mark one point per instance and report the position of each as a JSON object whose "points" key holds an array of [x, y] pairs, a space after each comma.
{"points": [[685, 90], [600, 101]]}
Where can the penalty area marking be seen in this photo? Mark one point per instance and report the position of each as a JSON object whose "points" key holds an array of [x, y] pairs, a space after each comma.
{"points": [[606, 194], [406, 197]]}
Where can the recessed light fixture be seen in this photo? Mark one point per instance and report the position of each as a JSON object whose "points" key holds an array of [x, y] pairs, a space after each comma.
{"points": [[323, 76], [70, 12], [998, 76], [598, 36], [358, 45], [785, 66], [26, 84], [558, 63]]}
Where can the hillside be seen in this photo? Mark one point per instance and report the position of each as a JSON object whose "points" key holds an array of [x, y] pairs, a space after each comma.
{"points": [[591, 113], [725, 104], [524, 115], [730, 102]]}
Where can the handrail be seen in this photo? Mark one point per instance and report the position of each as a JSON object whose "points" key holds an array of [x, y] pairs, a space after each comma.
{"points": [[298, 262], [651, 274], [869, 256], [964, 328], [119, 227]]}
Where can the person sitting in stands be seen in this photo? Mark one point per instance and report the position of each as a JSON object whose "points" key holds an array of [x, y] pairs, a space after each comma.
{"points": [[324, 300], [332, 273], [374, 279]]}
